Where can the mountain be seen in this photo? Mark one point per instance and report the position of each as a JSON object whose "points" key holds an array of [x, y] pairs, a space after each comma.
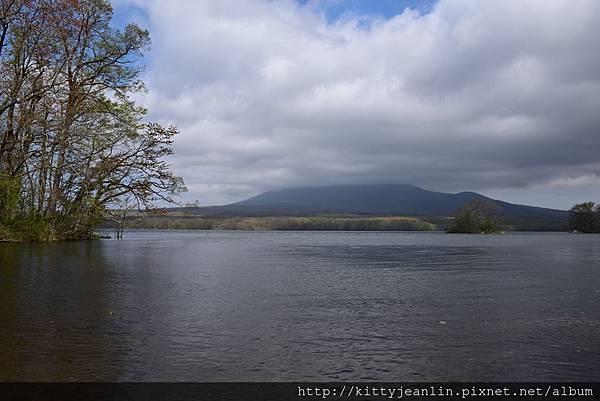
{"points": [[405, 200]]}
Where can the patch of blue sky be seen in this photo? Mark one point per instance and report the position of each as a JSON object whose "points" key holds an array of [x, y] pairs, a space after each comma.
{"points": [[333, 9], [369, 9], [124, 13]]}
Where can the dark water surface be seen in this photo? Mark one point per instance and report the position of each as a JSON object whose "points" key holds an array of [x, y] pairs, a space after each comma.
{"points": [[218, 306]]}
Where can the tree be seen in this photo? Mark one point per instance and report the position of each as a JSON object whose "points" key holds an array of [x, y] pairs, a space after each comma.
{"points": [[72, 142], [585, 217], [476, 217]]}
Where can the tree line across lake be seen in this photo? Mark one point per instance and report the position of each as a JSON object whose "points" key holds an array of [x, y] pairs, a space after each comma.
{"points": [[72, 142], [484, 217], [309, 223]]}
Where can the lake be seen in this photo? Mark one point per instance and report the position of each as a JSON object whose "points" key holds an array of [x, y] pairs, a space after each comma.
{"points": [[308, 306]]}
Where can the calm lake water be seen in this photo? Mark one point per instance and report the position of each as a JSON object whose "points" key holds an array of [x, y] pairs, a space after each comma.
{"points": [[223, 306]]}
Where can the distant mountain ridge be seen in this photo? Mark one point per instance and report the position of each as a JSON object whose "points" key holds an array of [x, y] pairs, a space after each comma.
{"points": [[391, 199]]}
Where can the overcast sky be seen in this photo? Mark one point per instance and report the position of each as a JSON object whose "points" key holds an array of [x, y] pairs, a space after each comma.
{"points": [[497, 96]]}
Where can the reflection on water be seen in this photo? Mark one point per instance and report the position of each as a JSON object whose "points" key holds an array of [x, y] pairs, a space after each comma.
{"points": [[302, 306]]}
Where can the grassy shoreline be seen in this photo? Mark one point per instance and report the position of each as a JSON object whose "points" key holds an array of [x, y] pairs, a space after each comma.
{"points": [[311, 223]]}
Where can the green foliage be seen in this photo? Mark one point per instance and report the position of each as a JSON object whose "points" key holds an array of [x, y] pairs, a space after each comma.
{"points": [[488, 227], [34, 228], [30, 228], [9, 196], [476, 217], [5, 235], [585, 217]]}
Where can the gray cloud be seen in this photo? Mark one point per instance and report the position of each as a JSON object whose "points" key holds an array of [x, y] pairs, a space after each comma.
{"points": [[499, 96]]}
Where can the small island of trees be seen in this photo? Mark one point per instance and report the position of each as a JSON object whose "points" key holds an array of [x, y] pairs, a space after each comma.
{"points": [[72, 142], [585, 218], [476, 217]]}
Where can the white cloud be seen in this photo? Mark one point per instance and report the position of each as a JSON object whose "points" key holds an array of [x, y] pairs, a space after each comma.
{"points": [[482, 95]]}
